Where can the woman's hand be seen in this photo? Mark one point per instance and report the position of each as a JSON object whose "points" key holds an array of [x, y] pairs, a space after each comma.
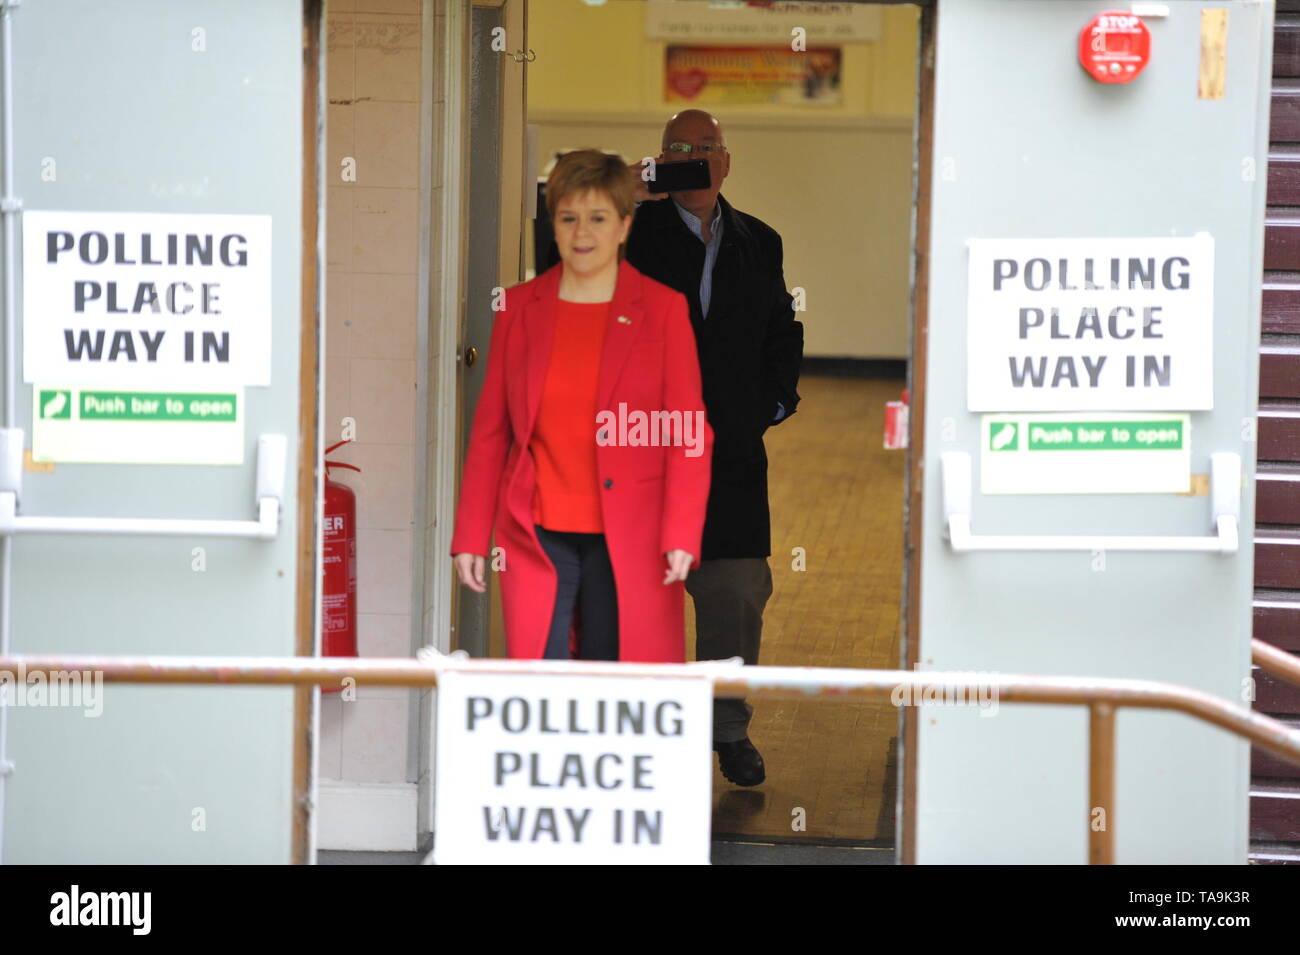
{"points": [[471, 568], [679, 565]]}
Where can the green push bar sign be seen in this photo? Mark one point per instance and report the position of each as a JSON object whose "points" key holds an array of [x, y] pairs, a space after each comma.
{"points": [[146, 406], [1109, 453], [89, 425]]}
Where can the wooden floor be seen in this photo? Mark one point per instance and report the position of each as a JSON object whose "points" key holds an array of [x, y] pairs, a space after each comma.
{"points": [[835, 493]]}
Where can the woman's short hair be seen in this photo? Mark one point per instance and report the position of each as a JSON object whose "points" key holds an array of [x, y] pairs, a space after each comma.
{"points": [[590, 169]]}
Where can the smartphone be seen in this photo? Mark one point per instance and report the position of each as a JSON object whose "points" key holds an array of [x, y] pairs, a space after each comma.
{"points": [[680, 176]]}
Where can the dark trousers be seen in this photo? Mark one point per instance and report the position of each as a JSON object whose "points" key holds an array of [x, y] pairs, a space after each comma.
{"points": [[729, 596], [586, 581]]}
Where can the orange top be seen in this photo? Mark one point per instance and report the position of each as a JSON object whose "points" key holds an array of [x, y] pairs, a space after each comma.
{"points": [[564, 438]]}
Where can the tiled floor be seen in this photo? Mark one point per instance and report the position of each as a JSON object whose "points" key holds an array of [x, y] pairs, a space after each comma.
{"points": [[835, 493]]}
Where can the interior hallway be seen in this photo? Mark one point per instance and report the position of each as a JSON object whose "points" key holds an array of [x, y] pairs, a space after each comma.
{"points": [[836, 493]]}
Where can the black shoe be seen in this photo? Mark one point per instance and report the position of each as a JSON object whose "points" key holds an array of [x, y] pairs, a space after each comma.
{"points": [[740, 762]]}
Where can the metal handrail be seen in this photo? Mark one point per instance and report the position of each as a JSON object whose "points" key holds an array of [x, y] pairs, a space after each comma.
{"points": [[1103, 696], [1277, 662]]}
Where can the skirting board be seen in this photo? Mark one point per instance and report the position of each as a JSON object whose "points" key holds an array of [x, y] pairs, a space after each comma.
{"points": [[378, 817]]}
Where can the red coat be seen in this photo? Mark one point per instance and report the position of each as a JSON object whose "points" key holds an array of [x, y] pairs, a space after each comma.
{"points": [[653, 498]]}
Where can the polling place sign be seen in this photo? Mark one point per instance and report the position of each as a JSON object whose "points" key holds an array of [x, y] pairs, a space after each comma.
{"points": [[137, 300], [544, 769], [1090, 324]]}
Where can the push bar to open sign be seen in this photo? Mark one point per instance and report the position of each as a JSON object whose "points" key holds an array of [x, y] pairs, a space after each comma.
{"points": [[271, 450], [1225, 496]]}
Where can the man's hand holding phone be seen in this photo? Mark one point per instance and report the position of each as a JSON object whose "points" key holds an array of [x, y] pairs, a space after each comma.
{"points": [[642, 193], [669, 177]]}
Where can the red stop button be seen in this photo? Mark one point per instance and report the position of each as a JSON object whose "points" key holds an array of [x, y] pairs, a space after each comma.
{"points": [[1115, 46]]}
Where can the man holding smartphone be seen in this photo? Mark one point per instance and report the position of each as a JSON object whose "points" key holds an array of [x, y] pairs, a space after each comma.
{"points": [[729, 266]]}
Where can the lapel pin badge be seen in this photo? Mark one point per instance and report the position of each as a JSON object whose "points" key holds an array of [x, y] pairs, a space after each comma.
{"points": [[625, 320]]}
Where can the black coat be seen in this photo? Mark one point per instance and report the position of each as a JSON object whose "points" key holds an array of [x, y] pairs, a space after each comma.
{"points": [[750, 348]]}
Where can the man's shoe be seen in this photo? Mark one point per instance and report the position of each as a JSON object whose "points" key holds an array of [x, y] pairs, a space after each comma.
{"points": [[740, 762]]}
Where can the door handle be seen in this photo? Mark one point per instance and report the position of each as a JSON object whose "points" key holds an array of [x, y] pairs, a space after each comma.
{"points": [[1225, 497], [471, 356], [268, 497]]}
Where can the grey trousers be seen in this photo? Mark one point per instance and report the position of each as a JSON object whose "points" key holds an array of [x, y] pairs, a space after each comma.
{"points": [[585, 578], [729, 596]]}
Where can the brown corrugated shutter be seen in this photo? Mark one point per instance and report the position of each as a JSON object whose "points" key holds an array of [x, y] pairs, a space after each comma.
{"points": [[1275, 784]]}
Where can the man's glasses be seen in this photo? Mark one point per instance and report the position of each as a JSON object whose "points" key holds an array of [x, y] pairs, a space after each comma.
{"points": [[704, 149]]}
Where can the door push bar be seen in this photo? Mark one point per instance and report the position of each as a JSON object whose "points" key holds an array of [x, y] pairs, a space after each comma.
{"points": [[270, 494], [1225, 491]]}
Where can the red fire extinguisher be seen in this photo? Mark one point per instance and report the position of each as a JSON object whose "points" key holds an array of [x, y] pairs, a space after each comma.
{"points": [[339, 559]]}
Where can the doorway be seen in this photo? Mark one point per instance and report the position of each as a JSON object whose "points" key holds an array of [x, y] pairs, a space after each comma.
{"points": [[841, 505]]}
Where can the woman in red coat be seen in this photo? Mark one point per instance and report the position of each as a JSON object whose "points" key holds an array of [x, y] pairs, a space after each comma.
{"points": [[590, 451]]}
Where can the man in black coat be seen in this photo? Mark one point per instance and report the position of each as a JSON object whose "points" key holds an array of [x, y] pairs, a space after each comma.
{"points": [[728, 265]]}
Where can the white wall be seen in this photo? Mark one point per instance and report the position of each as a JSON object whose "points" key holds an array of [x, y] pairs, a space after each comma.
{"points": [[372, 237]]}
